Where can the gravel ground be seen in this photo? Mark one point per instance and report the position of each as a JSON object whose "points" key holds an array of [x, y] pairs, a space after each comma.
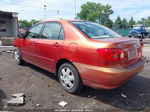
{"points": [[42, 87]]}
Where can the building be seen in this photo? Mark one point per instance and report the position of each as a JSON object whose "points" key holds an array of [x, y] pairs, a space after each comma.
{"points": [[8, 26]]}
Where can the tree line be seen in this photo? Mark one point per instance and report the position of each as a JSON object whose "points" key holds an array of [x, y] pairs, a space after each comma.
{"points": [[25, 24], [96, 12]]}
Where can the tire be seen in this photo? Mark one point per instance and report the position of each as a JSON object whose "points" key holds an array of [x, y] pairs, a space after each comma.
{"points": [[69, 78], [18, 57]]}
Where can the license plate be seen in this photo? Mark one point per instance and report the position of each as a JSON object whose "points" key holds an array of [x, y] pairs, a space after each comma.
{"points": [[132, 54]]}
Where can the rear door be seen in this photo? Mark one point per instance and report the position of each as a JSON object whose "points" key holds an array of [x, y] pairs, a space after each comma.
{"points": [[29, 44], [49, 45]]}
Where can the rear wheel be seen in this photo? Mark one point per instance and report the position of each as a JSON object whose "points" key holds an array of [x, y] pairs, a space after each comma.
{"points": [[18, 57], [69, 78]]}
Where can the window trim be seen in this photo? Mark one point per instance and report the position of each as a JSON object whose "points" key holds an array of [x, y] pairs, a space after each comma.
{"points": [[60, 32], [40, 37]]}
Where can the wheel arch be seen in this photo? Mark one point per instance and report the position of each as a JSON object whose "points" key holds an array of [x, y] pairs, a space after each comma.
{"points": [[60, 62]]}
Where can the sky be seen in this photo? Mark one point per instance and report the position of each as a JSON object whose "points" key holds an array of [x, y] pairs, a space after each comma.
{"points": [[34, 9]]}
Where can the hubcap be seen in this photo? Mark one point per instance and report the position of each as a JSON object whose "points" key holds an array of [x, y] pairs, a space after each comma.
{"points": [[67, 78], [17, 57]]}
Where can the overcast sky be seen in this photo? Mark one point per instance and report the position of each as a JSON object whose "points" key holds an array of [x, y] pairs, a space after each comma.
{"points": [[34, 9]]}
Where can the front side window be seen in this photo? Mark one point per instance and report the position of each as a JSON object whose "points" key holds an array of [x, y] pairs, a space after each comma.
{"points": [[52, 30], [94, 30], [34, 31]]}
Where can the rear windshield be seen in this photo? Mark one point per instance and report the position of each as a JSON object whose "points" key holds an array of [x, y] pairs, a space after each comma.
{"points": [[94, 30]]}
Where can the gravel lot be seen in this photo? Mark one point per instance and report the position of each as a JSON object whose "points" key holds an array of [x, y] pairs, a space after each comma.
{"points": [[42, 87]]}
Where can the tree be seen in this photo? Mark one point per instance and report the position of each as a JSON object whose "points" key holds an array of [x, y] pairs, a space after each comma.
{"points": [[33, 21], [148, 21], [132, 22], [145, 21], [26, 24], [23, 24], [96, 12], [125, 23], [108, 23], [118, 23]]}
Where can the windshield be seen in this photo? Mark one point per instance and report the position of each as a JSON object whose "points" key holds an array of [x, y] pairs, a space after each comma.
{"points": [[94, 30]]}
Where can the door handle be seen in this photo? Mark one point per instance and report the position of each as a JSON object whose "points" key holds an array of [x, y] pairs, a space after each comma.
{"points": [[56, 44]]}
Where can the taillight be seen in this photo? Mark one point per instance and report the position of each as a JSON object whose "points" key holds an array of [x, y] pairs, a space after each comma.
{"points": [[111, 56]]}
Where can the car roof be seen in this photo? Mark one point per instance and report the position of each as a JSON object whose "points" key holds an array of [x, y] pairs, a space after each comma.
{"points": [[61, 20]]}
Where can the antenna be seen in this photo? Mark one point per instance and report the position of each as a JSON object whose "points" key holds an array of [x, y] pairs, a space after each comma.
{"points": [[58, 13]]}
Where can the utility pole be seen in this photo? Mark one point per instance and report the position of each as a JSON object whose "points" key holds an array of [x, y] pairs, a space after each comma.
{"points": [[45, 12], [75, 8], [58, 13]]}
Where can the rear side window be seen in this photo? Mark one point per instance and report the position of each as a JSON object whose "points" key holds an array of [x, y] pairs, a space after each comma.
{"points": [[34, 31], [53, 30]]}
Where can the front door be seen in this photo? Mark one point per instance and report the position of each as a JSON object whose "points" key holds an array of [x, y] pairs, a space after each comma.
{"points": [[49, 46], [29, 44]]}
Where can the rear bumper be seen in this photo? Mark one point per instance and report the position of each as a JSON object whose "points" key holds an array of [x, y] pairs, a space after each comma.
{"points": [[108, 78]]}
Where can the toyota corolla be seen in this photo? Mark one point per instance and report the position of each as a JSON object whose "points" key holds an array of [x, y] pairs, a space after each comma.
{"points": [[80, 53]]}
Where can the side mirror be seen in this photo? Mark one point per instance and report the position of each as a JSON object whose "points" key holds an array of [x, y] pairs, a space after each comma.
{"points": [[20, 35]]}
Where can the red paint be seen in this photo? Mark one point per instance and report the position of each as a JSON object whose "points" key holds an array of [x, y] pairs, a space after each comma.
{"points": [[85, 54]]}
